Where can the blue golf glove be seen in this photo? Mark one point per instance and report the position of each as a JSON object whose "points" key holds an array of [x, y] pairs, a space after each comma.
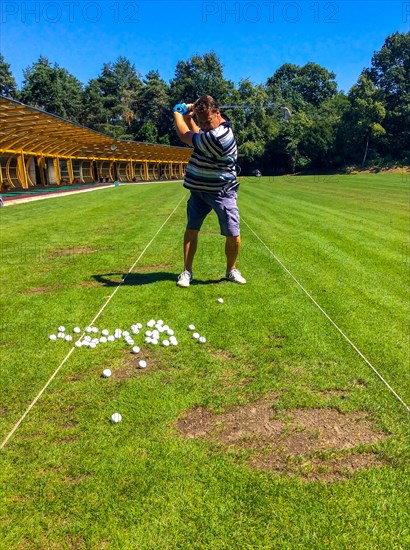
{"points": [[181, 108]]}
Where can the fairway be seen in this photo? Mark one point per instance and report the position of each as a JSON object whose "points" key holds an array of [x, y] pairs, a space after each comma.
{"points": [[171, 474]]}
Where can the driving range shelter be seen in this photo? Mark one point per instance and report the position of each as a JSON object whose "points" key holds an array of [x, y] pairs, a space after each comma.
{"points": [[38, 149]]}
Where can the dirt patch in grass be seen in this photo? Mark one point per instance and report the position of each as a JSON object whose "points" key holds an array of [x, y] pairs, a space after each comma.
{"points": [[75, 250], [277, 337], [298, 371], [312, 443], [41, 290], [223, 354], [86, 284], [75, 479], [67, 440], [155, 361]]}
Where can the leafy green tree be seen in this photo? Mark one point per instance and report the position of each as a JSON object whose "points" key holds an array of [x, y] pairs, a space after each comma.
{"points": [[8, 85], [252, 127], [155, 119], [320, 141], [315, 84], [95, 113], [366, 114], [200, 75], [390, 73], [296, 86], [112, 99], [148, 132], [53, 89]]}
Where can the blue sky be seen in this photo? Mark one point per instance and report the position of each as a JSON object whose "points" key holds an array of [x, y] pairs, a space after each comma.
{"points": [[252, 38]]}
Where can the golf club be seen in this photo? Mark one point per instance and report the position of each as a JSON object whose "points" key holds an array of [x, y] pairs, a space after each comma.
{"points": [[286, 111]]}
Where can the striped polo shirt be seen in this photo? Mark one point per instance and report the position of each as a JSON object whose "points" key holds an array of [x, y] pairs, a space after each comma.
{"points": [[212, 166]]}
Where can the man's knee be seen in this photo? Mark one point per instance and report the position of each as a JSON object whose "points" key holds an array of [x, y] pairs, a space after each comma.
{"points": [[191, 234]]}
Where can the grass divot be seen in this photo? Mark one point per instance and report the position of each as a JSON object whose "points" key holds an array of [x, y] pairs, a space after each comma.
{"points": [[289, 443]]}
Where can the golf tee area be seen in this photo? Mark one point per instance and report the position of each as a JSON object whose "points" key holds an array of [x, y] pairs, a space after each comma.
{"points": [[286, 427]]}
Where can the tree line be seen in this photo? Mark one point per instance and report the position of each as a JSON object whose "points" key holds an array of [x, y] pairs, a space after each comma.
{"points": [[329, 129]]}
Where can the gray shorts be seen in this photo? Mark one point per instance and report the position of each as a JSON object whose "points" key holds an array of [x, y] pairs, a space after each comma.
{"points": [[223, 203]]}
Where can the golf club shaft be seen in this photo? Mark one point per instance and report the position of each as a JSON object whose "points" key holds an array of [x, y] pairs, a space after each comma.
{"points": [[286, 111], [253, 107]]}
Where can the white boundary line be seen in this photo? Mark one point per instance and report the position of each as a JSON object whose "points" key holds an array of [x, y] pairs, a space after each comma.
{"points": [[59, 194], [331, 320], [17, 424]]}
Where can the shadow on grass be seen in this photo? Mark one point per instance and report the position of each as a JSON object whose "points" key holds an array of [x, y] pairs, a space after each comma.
{"points": [[138, 279]]}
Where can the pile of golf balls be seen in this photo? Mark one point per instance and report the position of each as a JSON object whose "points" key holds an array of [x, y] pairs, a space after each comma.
{"points": [[157, 332]]}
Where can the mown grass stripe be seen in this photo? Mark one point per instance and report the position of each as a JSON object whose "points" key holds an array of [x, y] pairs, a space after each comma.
{"points": [[32, 404], [329, 318]]}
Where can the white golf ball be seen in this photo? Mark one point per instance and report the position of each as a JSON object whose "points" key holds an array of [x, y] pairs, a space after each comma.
{"points": [[220, 300], [165, 343], [87, 338], [125, 333], [95, 341], [202, 339], [191, 327], [110, 338], [151, 323], [53, 337], [170, 332], [60, 335], [174, 342], [148, 339], [142, 364], [105, 332], [92, 345], [195, 336], [148, 333], [116, 417], [106, 373], [94, 329], [117, 333], [77, 330], [165, 327], [61, 329], [138, 325], [172, 339], [130, 342], [78, 344], [154, 341], [160, 322], [135, 330], [155, 333], [88, 329], [135, 349], [68, 338], [103, 340]]}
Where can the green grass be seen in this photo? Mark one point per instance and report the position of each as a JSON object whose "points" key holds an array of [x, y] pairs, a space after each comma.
{"points": [[70, 479]]}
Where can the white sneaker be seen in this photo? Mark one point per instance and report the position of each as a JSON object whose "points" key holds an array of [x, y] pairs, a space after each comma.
{"points": [[235, 276], [184, 280]]}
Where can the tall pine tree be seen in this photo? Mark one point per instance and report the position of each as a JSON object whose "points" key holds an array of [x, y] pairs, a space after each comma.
{"points": [[53, 89], [8, 85]]}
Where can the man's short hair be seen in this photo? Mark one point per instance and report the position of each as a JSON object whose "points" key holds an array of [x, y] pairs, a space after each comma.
{"points": [[204, 104]]}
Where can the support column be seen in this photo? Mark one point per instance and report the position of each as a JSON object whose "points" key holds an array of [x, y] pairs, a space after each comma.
{"points": [[70, 170], [22, 174]]}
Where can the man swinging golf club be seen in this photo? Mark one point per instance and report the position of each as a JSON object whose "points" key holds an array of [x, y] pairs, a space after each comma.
{"points": [[211, 178]]}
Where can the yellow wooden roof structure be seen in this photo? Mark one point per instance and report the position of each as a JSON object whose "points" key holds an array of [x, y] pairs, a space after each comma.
{"points": [[27, 130]]}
